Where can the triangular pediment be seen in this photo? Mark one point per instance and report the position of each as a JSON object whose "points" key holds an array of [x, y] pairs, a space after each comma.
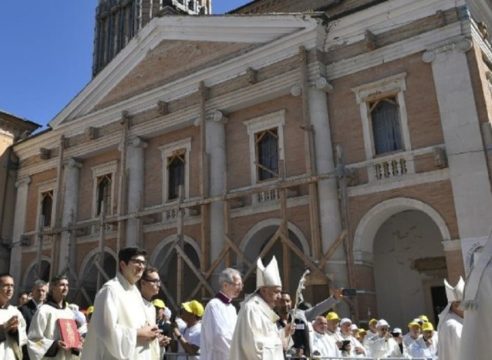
{"points": [[180, 49], [169, 61]]}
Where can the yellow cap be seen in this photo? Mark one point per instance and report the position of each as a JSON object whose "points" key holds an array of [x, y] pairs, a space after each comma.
{"points": [[427, 326], [332, 316], [90, 310], [413, 323], [194, 307], [158, 303], [373, 321], [424, 318]]}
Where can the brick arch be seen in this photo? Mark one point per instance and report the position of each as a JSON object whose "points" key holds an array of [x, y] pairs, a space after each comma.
{"points": [[371, 222]]}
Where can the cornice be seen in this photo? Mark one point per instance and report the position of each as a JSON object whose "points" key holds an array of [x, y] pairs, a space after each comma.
{"points": [[485, 46], [394, 51], [381, 18]]}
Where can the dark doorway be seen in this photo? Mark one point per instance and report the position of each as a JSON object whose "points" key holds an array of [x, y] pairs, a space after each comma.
{"points": [[439, 300]]}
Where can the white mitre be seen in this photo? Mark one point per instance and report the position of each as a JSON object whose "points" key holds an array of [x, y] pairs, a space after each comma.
{"points": [[269, 275], [455, 293]]}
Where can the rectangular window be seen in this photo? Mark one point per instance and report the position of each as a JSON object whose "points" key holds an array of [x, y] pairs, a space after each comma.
{"points": [[267, 154], [385, 118], [47, 207], [176, 173], [103, 197]]}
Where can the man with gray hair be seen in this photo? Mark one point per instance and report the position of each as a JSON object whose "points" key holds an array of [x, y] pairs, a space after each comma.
{"points": [[38, 297], [219, 319]]}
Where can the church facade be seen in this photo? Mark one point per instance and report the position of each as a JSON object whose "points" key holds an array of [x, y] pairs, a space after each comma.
{"points": [[353, 140]]}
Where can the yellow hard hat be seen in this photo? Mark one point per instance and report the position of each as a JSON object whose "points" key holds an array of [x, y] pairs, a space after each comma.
{"points": [[424, 318], [362, 331], [332, 316], [90, 310], [194, 307], [373, 321], [427, 326], [413, 323], [158, 303]]}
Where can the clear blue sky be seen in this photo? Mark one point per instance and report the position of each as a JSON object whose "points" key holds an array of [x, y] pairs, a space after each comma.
{"points": [[46, 53]]}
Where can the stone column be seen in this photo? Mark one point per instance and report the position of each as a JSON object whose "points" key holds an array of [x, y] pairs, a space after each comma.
{"points": [[464, 147], [329, 208], [135, 157], [71, 181], [22, 186], [216, 150]]}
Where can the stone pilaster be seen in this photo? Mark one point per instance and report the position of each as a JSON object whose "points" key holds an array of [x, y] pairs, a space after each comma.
{"points": [[71, 181], [135, 158], [463, 139], [22, 186], [216, 150], [329, 208]]}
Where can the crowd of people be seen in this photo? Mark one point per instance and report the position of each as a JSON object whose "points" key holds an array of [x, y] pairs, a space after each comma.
{"points": [[128, 321]]}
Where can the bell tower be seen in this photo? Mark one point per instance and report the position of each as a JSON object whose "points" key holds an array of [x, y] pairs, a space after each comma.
{"points": [[118, 21]]}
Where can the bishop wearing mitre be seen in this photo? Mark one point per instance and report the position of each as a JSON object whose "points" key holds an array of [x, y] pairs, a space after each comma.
{"points": [[256, 336]]}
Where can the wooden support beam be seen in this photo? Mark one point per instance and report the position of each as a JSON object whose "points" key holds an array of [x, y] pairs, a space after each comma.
{"points": [[197, 272], [262, 253], [333, 247]]}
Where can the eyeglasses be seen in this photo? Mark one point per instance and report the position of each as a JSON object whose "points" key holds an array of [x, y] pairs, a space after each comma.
{"points": [[138, 261], [154, 281]]}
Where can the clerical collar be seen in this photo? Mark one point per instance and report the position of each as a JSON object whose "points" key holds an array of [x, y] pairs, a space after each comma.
{"points": [[224, 298], [51, 302]]}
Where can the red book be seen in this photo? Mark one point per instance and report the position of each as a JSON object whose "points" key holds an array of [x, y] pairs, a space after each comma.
{"points": [[69, 333]]}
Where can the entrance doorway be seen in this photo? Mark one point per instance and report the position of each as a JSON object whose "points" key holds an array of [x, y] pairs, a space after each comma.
{"points": [[408, 257]]}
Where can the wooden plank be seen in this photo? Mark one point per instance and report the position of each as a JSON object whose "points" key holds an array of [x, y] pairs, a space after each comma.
{"points": [[198, 274], [333, 247], [312, 265]]}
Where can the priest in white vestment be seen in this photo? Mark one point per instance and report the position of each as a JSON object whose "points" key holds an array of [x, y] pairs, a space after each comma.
{"points": [[354, 348], [321, 344], [119, 329], [477, 326], [451, 323], [45, 339], [383, 345], [12, 323], [256, 336], [149, 286], [220, 318]]}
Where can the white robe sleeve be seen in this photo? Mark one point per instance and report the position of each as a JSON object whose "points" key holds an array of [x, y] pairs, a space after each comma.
{"points": [[38, 344], [119, 340], [215, 337]]}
